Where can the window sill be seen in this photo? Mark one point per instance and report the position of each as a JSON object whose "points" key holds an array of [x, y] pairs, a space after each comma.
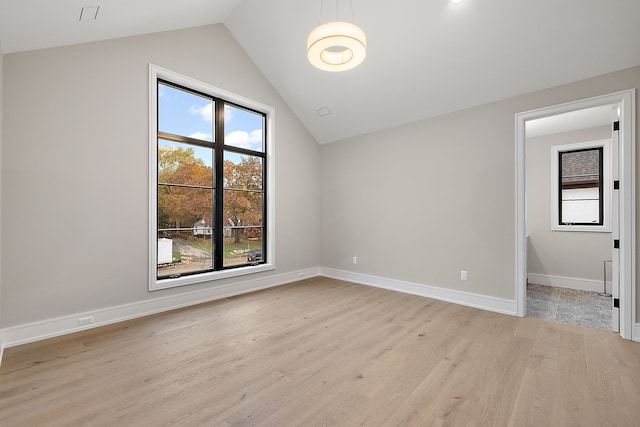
{"points": [[583, 228], [156, 285]]}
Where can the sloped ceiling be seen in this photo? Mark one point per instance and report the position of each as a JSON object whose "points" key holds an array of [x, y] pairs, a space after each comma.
{"points": [[37, 24], [424, 59]]}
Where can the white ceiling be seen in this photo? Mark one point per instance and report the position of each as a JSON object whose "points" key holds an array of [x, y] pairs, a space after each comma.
{"points": [[573, 120], [424, 59], [37, 24]]}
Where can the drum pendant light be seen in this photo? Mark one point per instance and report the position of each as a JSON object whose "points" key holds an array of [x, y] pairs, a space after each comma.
{"points": [[336, 46]]}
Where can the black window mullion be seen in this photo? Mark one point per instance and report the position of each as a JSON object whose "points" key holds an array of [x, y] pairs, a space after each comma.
{"points": [[218, 194], [184, 139], [560, 176], [601, 186], [246, 151], [264, 192]]}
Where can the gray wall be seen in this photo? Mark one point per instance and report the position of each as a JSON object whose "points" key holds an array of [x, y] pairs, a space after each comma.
{"points": [[1, 149], [75, 169], [423, 201], [418, 202], [572, 254]]}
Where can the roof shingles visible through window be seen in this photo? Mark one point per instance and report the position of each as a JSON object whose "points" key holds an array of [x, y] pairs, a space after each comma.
{"points": [[580, 167]]}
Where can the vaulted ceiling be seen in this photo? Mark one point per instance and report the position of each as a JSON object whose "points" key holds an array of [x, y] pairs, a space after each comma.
{"points": [[424, 58]]}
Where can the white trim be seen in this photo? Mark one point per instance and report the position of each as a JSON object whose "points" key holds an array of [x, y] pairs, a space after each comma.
{"points": [[607, 183], [636, 333], [1, 346], [484, 302], [155, 73], [626, 101], [22, 334], [568, 282]]}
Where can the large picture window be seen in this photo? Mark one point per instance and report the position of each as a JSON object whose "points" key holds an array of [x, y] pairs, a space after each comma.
{"points": [[581, 181], [209, 178]]}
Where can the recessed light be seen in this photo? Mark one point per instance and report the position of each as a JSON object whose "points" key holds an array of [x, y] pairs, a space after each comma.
{"points": [[324, 111], [89, 13], [456, 1]]}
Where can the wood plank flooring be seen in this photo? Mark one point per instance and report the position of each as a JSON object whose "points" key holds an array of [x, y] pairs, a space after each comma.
{"points": [[323, 352]]}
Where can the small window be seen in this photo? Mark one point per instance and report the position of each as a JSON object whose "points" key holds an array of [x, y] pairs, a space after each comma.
{"points": [[581, 180], [581, 190]]}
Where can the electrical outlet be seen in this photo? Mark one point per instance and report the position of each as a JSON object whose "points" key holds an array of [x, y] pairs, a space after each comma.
{"points": [[463, 275], [87, 320], [355, 259]]}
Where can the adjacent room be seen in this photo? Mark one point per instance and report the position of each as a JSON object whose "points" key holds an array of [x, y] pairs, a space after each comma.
{"points": [[252, 213], [570, 239]]}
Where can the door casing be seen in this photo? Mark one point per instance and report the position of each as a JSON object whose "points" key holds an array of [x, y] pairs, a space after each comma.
{"points": [[626, 102]]}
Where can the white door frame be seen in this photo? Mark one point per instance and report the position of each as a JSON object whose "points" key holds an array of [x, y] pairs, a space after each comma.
{"points": [[626, 101]]}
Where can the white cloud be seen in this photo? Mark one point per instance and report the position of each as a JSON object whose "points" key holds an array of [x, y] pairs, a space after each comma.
{"points": [[201, 135], [206, 111], [228, 114], [250, 140]]}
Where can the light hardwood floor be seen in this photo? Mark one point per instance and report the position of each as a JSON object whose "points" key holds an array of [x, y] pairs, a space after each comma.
{"points": [[323, 352]]}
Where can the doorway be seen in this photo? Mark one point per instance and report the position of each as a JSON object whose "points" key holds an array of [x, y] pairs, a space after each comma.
{"points": [[620, 229], [569, 185]]}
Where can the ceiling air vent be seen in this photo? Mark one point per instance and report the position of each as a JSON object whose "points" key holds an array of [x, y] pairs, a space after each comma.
{"points": [[89, 13], [324, 111]]}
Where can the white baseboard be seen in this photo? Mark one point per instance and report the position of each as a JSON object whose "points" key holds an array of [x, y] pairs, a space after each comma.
{"points": [[636, 332], [484, 302], [568, 282], [30, 332], [35, 331]]}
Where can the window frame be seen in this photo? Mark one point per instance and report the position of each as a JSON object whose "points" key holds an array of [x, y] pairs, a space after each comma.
{"points": [[158, 73], [607, 184]]}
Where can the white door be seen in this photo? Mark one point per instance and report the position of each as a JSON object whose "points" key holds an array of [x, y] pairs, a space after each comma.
{"points": [[615, 222]]}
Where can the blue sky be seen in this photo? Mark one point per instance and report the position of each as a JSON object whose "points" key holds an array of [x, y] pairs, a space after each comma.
{"points": [[187, 114]]}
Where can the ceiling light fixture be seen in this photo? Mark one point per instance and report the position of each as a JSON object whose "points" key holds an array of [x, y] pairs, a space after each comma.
{"points": [[336, 46]]}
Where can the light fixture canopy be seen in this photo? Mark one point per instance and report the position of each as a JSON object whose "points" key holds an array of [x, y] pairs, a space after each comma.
{"points": [[336, 46]]}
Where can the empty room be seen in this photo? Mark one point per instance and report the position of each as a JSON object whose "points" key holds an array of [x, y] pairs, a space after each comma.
{"points": [[312, 213]]}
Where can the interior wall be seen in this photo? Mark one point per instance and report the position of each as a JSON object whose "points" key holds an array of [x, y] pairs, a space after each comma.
{"points": [[75, 170], [569, 254], [421, 202], [1, 149]]}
